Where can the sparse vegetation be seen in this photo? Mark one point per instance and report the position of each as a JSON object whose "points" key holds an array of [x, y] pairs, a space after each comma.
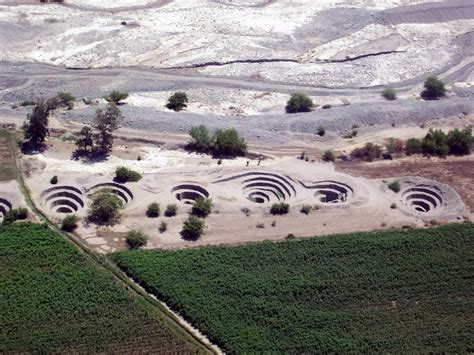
{"points": [[321, 131], [105, 208], [171, 210], [193, 228], [135, 239], [115, 97], [202, 207], [369, 152], [299, 103], [393, 206], [326, 106], [260, 225], [85, 139], [69, 223], [329, 155], [395, 186], [163, 227], [246, 211], [394, 146], [363, 287], [434, 88], [106, 123], [15, 214], [65, 99], [177, 101], [306, 209], [280, 208], [389, 94], [153, 210], [124, 174]]}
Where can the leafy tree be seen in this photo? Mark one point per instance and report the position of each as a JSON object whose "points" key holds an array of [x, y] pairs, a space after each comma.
{"points": [[15, 214], [171, 210], [193, 228], [389, 94], [135, 239], [35, 129], [106, 123], [124, 174], [202, 207], [435, 143], [116, 96], [434, 88], [105, 208], [413, 146], [395, 186], [329, 155], [177, 101], [460, 142], [153, 210], [69, 223], [201, 140], [227, 142], [85, 139], [369, 151], [299, 103]]}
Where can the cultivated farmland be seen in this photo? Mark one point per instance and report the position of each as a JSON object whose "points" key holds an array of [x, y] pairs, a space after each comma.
{"points": [[54, 299], [391, 292]]}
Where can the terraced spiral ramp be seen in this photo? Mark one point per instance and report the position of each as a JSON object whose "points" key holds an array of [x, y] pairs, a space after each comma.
{"points": [[63, 199], [189, 192], [422, 198], [121, 191], [5, 206], [332, 192]]}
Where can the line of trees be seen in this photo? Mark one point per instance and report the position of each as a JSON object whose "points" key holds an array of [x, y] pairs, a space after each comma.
{"points": [[224, 142]]}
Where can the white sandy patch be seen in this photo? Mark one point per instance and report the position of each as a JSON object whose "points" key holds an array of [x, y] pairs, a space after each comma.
{"points": [[110, 4]]}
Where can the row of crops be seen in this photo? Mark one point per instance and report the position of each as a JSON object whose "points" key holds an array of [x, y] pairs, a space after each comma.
{"points": [[54, 299], [391, 292]]}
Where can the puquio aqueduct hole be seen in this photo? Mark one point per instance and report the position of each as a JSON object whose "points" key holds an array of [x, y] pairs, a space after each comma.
{"points": [[331, 192], [265, 187], [63, 199], [189, 192], [422, 198], [5, 206], [121, 191]]}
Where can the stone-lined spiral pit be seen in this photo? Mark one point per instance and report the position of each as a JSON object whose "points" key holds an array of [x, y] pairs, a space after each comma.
{"points": [[422, 198], [121, 191], [332, 192], [63, 199], [190, 192], [5, 206]]}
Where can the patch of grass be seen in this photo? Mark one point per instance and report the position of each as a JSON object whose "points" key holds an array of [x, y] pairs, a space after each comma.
{"points": [[403, 291], [56, 300]]}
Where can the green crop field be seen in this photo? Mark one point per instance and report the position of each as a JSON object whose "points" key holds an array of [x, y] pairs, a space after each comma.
{"points": [[54, 299], [7, 162], [407, 291]]}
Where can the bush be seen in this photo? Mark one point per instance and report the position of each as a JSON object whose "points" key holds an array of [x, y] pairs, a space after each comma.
{"points": [[389, 94], [105, 208], [260, 225], [434, 88], [65, 99], [306, 209], [413, 146], [228, 143], [299, 103], [69, 223], [116, 96], [393, 206], [124, 174], [394, 145], [153, 210], [327, 106], [369, 152], [193, 228], [163, 227], [135, 239], [395, 186], [14, 215], [329, 155], [435, 143], [202, 207], [246, 211], [201, 140], [280, 208], [171, 210], [321, 131], [460, 142], [177, 101], [54, 180]]}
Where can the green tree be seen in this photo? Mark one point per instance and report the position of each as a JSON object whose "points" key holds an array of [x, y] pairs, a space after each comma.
{"points": [[171, 210], [153, 210], [202, 207], [460, 142], [329, 155], [193, 228], [69, 223], [299, 102], [389, 94], [369, 151], [201, 140], [106, 123], [35, 128], [280, 208], [116, 96], [105, 208], [135, 239], [65, 99], [395, 186], [413, 146], [85, 139], [435, 143], [124, 174], [434, 88], [227, 142], [177, 101]]}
